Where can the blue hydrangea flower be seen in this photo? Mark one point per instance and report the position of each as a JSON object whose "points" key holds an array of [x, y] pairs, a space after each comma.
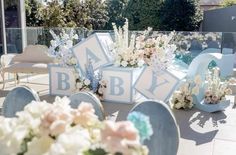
{"points": [[142, 123], [94, 79]]}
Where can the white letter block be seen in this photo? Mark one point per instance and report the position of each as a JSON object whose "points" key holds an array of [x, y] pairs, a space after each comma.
{"points": [[120, 82], [158, 87], [62, 80], [95, 47]]}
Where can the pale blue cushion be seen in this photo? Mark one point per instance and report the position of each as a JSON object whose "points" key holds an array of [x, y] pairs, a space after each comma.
{"points": [[17, 99], [165, 140], [76, 99]]}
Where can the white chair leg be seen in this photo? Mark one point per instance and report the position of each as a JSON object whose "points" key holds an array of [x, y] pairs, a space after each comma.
{"points": [[3, 80]]}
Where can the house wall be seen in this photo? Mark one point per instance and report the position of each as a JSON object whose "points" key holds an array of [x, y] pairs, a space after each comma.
{"points": [[220, 20]]}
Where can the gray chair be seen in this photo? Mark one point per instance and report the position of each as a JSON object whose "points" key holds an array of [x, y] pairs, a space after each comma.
{"points": [[76, 99], [165, 138], [17, 99]]}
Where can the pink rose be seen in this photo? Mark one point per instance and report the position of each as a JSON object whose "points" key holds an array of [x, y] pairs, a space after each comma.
{"points": [[215, 99], [208, 100], [208, 93]]}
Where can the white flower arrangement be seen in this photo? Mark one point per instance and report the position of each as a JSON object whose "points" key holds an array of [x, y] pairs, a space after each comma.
{"points": [[92, 82], [57, 129], [156, 51], [183, 98], [216, 90], [123, 50], [60, 48]]}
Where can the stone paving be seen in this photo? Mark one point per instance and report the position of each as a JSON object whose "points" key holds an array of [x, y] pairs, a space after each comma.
{"points": [[201, 133]]}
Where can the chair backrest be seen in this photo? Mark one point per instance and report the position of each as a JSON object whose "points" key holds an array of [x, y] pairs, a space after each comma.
{"points": [[165, 138], [77, 98], [34, 54], [17, 99]]}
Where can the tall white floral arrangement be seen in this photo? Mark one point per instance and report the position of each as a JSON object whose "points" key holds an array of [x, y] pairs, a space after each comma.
{"points": [[216, 89], [123, 50]]}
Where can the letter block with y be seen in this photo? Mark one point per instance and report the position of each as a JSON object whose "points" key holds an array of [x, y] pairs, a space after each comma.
{"points": [[95, 48], [158, 85], [120, 82], [62, 80]]}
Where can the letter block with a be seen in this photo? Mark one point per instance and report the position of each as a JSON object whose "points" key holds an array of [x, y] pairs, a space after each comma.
{"points": [[120, 82], [94, 48], [62, 80]]}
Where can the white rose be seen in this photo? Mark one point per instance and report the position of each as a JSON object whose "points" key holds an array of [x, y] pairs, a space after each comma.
{"points": [[198, 79], [39, 145], [87, 82], [74, 141], [79, 85], [124, 63], [195, 90], [178, 105], [100, 90], [73, 61], [141, 63]]}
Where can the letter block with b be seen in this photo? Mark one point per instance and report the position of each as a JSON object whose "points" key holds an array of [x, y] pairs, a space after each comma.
{"points": [[62, 80], [120, 82]]}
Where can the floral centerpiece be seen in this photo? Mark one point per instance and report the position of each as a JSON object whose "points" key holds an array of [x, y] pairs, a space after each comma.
{"points": [[183, 97], [60, 47], [123, 50], [156, 51], [216, 90], [92, 82], [57, 129]]}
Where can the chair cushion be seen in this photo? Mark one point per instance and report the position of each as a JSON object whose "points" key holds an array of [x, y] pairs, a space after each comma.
{"points": [[34, 54], [39, 68]]}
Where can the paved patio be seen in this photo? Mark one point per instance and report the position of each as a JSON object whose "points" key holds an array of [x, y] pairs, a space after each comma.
{"points": [[201, 133]]}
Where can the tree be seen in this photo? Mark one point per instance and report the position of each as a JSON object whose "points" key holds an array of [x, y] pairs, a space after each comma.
{"points": [[54, 15], [115, 13], [143, 13], [32, 8], [227, 3], [180, 15], [89, 14]]}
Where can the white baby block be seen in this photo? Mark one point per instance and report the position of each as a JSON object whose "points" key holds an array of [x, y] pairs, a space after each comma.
{"points": [[95, 48], [62, 80], [120, 82], [158, 86]]}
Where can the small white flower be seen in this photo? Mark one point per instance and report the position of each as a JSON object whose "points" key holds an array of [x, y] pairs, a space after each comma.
{"points": [[124, 63], [195, 90], [100, 90], [87, 82], [79, 85], [141, 63]]}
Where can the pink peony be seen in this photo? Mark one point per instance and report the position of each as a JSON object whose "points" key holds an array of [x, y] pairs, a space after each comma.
{"points": [[85, 115], [118, 137], [55, 120]]}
